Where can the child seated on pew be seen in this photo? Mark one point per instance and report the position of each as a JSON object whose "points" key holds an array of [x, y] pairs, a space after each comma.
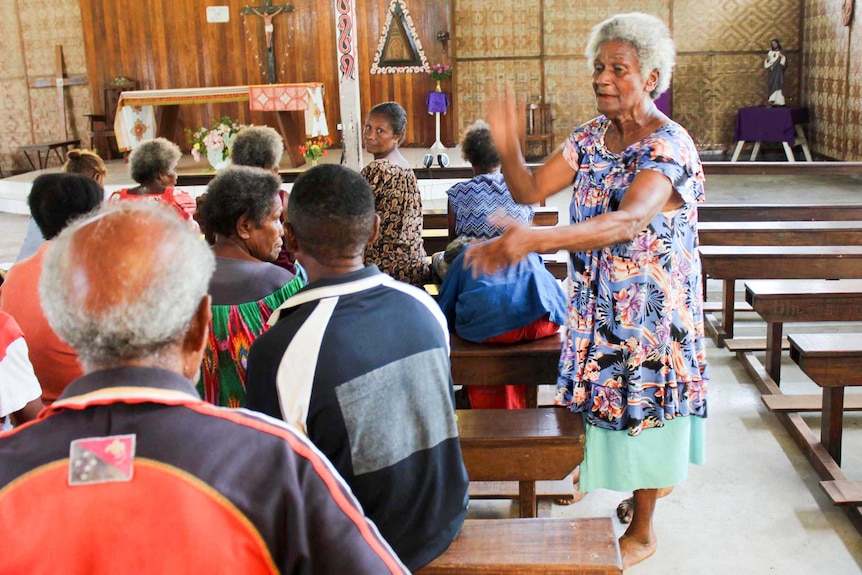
{"points": [[523, 302], [472, 202]]}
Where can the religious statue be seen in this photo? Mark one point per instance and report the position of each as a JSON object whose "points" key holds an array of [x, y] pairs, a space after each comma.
{"points": [[268, 26], [775, 64]]}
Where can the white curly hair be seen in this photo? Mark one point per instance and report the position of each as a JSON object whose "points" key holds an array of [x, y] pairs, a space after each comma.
{"points": [[650, 38]]}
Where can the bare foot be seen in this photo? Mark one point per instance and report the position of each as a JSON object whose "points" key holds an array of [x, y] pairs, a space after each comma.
{"points": [[663, 492], [576, 493], [625, 510], [633, 550]]}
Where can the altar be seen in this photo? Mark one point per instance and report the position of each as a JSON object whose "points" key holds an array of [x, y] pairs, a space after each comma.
{"points": [[771, 124], [135, 120]]}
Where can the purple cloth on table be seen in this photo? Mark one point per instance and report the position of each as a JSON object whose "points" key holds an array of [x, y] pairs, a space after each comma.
{"points": [[437, 102], [765, 124]]}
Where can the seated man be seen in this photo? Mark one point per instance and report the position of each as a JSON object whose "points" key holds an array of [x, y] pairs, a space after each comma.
{"points": [[360, 362], [20, 393], [136, 473]]}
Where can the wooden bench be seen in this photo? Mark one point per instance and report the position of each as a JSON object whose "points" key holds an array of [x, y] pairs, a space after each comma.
{"points": [[546, 546], [730, 263], [47, 148], [778, 233], [778, 212], [523, 445], [784, 301], [530, 363], [832, 362]]}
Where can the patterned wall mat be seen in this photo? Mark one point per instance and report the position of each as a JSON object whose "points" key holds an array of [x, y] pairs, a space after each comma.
{"points": [[737, 25], [503, 29], [10, 42], [15, 119], [45, 25], [567, 24], [478, 80], [824, 76], [853, 122], [570, 91]]}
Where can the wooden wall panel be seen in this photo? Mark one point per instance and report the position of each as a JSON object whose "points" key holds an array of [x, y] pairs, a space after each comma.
{"points": [[183, 50]]}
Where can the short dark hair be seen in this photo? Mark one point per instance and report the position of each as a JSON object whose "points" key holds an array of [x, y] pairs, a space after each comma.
{"points": [[331, 212], [258, 146], [236, 192], [394, 113], [478, 148], [57, 199]]}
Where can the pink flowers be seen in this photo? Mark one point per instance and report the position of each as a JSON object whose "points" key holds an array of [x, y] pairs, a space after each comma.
{"points": [[439, 72]]}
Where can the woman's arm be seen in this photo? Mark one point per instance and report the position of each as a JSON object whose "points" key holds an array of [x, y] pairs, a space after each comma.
{"points": [[650, 193], [507, 125]]}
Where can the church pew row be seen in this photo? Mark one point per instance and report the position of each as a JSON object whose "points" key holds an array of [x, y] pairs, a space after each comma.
{"points": [[787, 301], [731, 263], [545, 546], [780, 233], [525, 446], [832, 362]]}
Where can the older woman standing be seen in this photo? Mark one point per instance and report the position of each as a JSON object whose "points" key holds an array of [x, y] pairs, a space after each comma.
{"points": [[243, 211], [634, 360], [153, 165], [398, 249]]}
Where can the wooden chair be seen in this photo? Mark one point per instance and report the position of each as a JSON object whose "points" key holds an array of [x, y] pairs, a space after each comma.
{"points": [[102, 125], [539, 142]]}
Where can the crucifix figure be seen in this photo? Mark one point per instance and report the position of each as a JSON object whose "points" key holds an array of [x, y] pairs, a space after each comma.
{"points": [[268, 12]]}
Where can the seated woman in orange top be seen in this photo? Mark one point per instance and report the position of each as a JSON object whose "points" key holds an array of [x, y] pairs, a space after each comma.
{"points": [[55, 200], [153, 165]]}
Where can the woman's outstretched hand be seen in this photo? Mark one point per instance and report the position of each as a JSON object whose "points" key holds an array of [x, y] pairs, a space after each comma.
{"points": [[491, 256]]}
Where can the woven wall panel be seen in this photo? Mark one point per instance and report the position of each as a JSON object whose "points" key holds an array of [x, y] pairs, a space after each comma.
{"points": [[44, 25], [825, 75], [569, 89], [853, 122], [10, 42], [478, 80], [738, 25], [568, 24], [15, 119], [498, 29]]}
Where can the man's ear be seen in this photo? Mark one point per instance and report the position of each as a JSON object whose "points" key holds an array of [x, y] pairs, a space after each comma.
{"points": [[375, 230], [290, 238], [195, 341], [243, 227]]}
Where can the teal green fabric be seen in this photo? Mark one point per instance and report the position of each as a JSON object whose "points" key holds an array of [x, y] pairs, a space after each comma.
{"points": [[658, 457]]}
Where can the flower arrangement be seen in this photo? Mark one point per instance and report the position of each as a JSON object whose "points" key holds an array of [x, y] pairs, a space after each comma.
{"points": [[315, 148], [440, 72], [215, 142]]}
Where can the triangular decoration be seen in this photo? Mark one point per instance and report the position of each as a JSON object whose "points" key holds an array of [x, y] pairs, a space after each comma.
{"points": [[399, 50]]}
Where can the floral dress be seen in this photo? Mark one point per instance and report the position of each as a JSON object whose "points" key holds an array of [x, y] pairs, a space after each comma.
{"points": [[635, 351], [398, 249]]}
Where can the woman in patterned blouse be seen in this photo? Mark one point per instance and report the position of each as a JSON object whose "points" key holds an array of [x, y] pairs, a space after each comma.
{"points": [[634, 360], [398, 249]]}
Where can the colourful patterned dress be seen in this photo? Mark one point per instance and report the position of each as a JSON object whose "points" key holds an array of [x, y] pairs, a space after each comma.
{"points": [[232, 331], [635, 354], [398, 250]]}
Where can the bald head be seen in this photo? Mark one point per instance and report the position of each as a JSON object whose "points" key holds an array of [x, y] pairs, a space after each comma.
{"points": [[124, 285]]}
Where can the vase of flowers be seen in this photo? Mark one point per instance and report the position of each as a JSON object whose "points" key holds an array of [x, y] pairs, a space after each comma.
{"points": [[215, 142], [440, 72], [315, 148]]}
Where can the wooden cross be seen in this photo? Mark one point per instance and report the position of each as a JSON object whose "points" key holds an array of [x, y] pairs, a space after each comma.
{"points": [[268, 12], [60, 81]]}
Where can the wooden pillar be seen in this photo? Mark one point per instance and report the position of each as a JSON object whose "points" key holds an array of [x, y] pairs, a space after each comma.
{"points": [[348, 83]]}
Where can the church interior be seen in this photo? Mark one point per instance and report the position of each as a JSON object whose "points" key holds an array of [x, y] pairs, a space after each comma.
{"points": [[757, 505]]}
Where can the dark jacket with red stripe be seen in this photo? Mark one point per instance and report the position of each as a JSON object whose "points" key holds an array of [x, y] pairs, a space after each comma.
{"points": [[209, 490]]}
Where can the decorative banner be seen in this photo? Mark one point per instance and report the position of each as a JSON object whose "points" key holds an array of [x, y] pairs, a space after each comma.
{"points": [[346, 47], [399, 8]]}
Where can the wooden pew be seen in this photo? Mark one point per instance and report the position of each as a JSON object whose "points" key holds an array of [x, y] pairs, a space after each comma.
{"points": [[783, 301], [831, 360], [523, 445], [778, 233], [730, 263], [546, 546], [778, 212]]}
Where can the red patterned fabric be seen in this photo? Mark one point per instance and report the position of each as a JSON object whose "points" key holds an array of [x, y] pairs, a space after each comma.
{"points": [[277, 97]]}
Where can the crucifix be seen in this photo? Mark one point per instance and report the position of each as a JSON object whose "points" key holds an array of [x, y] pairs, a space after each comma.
{"points": [[60, 81], [268, 12]]}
